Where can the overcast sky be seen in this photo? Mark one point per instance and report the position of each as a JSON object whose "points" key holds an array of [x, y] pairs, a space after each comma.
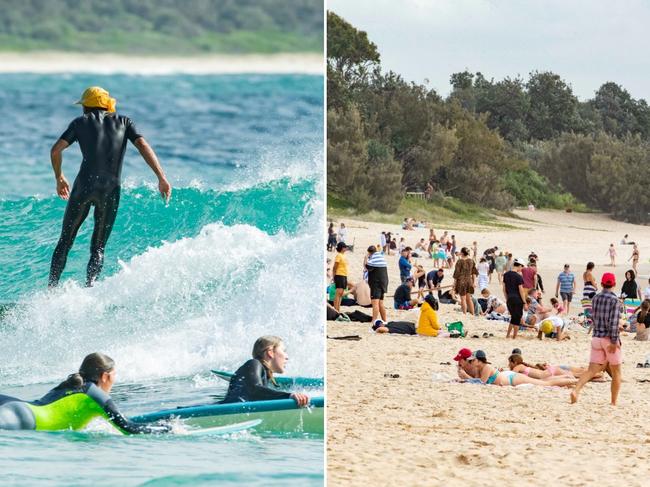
{"points": [[586, 42]]}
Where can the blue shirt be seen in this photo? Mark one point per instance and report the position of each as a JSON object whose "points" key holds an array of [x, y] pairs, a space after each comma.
{"points": [[377, 259], [404, 267], [566, 282]]}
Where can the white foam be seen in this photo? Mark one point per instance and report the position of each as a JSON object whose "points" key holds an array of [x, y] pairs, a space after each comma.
{"points": [[179, 309]]}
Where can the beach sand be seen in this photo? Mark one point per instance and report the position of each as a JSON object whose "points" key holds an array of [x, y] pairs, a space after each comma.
{"points": [[68, 62], [419, 429]]}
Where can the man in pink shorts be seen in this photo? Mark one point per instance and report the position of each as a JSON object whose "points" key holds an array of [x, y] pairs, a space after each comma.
{"points": [[605, 344]]}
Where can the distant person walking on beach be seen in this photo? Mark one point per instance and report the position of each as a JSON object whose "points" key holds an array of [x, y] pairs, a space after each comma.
{"points": [[464, 274], [378, 281], [612, 255], [340, 271], [500, 266], [605, 344], [343, 233], [331, 237], [566, 287], [634, 257], [590, 288], [513, 291], [102, 135]]}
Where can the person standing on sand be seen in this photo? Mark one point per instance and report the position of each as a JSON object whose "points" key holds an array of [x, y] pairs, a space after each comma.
{"points": [[102, 135], [590, 288], [340, 271], [378, 281], [566, 285], [343, 233], [634, 257], [606, 343], [404, 264], [513, 291], [464, 274], [612, 255]]}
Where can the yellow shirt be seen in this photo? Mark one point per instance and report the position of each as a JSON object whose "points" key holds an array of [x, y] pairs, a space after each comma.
{"points": [[342, 267], [428, 321]]}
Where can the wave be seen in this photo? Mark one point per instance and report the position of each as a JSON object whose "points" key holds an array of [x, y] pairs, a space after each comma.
{"points": [[30, 226], [183, 307]]}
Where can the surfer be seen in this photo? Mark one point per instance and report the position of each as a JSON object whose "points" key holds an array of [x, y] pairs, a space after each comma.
{"points": [[251, 380], [102, 135], [72, 404]]}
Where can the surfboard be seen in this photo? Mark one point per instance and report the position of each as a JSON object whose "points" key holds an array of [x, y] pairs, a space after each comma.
{"points": [[281, 416], [223, 430], [283, 382]]}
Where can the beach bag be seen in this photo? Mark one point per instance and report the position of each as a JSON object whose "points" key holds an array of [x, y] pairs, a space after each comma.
{"points": [[456, 326]]}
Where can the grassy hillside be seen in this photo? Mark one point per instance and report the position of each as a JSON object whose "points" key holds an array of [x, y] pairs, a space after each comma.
{"points": [[162, 26]]}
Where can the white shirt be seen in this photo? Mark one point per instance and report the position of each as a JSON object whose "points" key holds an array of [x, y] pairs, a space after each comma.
{"points": [[343, 233]]}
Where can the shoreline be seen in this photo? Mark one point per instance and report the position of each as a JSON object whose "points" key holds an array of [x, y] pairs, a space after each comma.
{"points": [[57, 62]]}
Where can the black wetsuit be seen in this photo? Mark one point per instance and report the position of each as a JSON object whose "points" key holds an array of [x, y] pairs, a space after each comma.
{"points": [[250, 383], [102, 138], [67, 408]]}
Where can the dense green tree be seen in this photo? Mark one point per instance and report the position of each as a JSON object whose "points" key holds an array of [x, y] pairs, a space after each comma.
{"points": [[553, 107]]}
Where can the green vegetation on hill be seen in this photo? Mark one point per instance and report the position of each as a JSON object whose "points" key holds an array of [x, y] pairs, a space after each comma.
{"points": [[492, 144], [162, 26]]}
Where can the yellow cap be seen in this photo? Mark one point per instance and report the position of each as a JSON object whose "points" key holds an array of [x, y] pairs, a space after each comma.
{"points": [[97, 97]]}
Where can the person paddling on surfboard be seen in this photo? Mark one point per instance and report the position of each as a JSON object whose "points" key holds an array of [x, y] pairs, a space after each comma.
{"points": [[251, 380], [72, 404], [102, 136]]}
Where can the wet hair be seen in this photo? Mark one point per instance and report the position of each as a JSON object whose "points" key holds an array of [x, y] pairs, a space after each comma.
{"points": [[91, 370], [262, 344], [645, 307], [632, 275], [590, 265]]}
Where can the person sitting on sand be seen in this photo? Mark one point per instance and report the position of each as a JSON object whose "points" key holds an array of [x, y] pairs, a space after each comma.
{"points": [[494, 304], [643, 321], [428, 322], [402, 297], [421, 246], [630, 289], [491, 375], [543, 371]]}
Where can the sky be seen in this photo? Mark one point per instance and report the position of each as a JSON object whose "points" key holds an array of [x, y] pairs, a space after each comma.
{"points": [[586, 42]]}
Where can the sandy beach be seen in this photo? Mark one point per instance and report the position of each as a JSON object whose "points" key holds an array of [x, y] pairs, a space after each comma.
{"points": [[423, 429], [64, 62]]}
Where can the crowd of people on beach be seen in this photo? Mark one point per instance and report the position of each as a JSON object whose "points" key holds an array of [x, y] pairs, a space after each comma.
{"points": [[605, 314]]}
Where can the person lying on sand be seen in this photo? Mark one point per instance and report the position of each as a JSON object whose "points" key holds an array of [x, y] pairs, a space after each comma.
{"points": [[544, 371], [491, 375], [465, 368]]}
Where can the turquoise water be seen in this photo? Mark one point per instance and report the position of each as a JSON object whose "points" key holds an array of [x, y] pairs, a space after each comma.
{"points": [[186, 286]]}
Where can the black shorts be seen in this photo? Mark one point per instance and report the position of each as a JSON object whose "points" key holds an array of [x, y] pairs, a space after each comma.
{"points": [[341, 282], [377, 281], [516, 309]]}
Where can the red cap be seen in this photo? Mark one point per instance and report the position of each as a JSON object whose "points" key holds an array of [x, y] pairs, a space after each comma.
{"points": [[463, 353], [608, 279]]}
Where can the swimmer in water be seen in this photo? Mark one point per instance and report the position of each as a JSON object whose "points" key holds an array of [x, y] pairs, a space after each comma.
{"points": [[74, 403], [102, 135], [251, 381]]}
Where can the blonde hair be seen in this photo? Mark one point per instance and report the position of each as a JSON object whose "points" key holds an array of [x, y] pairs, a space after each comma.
{"points": [[262, 344]]}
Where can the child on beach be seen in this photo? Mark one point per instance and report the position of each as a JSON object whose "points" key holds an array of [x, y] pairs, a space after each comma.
{"points": [[612, 255], [543, 371], [557, 306]]}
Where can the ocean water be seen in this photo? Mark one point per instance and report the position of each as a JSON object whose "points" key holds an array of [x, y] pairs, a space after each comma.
{"points": [[187, 286]]}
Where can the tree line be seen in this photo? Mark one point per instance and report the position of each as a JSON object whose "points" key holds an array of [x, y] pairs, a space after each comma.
{"points": [[497, 144], [147, 25]]}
